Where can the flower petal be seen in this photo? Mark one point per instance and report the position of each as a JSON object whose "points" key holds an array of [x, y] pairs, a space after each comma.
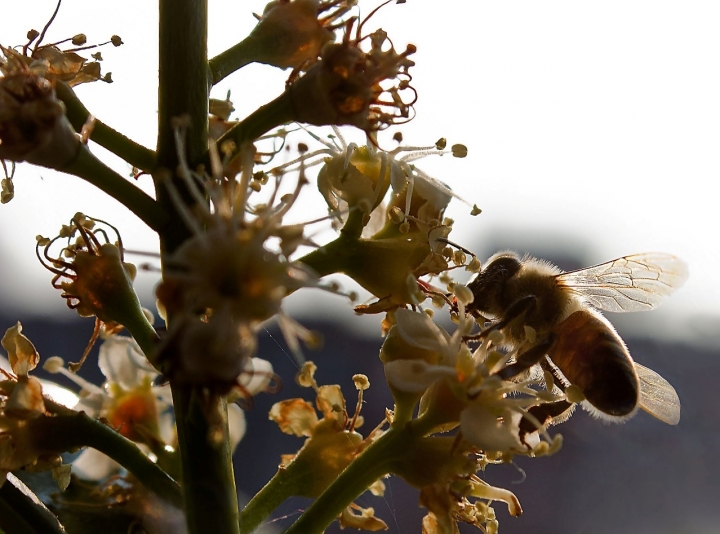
{"points": [[294, 416], [94, 465], [236, 425], [418, 330], [486, 430], [122, 362], [21, 352], [414, 376], [260, 373]]}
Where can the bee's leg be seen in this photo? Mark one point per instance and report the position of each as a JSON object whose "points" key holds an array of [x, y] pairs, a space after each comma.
{"points": [[560, 381], [527, 359], [545, 414], [516, 309]]}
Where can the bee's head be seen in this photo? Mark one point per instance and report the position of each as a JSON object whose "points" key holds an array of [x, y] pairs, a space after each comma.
{"points": [[488, 286]]}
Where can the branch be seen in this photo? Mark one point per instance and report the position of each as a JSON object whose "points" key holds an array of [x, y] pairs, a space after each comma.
{"points": [[132, 152], [94, 171]]}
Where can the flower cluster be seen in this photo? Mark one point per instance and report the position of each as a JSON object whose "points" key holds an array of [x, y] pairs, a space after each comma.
{"points": [[332, 442], [227, 279], [498, 409], [345, 85], [33, 126], [139, 410], [385, 248], [232, 251]]}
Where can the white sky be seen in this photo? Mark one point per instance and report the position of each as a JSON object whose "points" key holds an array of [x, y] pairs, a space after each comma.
{"points": [[598, 122]]}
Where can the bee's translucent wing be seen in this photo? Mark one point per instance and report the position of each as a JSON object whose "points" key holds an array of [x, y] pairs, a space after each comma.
{"points": [[631, 283], [657, 396]]}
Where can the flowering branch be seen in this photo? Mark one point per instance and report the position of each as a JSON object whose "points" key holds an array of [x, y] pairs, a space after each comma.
{"points": [[374, 463], [288, 35], [71, 430], [120, 145]]}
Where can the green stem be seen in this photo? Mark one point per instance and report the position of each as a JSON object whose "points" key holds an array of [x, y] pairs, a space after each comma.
{"points": [[146, 336], [208, 481], [94, 171], [335, 256], [211, 502], [232, 59], [132, 152], [66, 432], [329, 259], [292, 480], [374, 463]]}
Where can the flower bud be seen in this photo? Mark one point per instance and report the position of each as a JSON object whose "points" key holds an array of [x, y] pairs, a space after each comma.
{"points": [[289, 34]]}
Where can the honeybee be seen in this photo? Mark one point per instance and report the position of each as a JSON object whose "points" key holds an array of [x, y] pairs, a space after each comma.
{"points": [[563, 309]]}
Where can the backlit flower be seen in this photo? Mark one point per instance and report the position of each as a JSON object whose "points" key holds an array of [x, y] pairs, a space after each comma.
{"points": [[332, 440], [462, 387], [137, 409]]}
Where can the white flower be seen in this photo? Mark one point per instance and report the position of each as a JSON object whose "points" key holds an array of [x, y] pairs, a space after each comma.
{"points": [[419, 354], [137, 409], [360, 176]]}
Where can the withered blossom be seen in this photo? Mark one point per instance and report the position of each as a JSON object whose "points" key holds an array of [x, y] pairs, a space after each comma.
{"points": [[349, 85], [332, 441], [22, 402], [92, 274], [33, 126], [227, 279]]}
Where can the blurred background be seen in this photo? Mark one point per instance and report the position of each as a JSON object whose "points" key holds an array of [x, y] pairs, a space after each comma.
{"points": [[593, 133]]}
